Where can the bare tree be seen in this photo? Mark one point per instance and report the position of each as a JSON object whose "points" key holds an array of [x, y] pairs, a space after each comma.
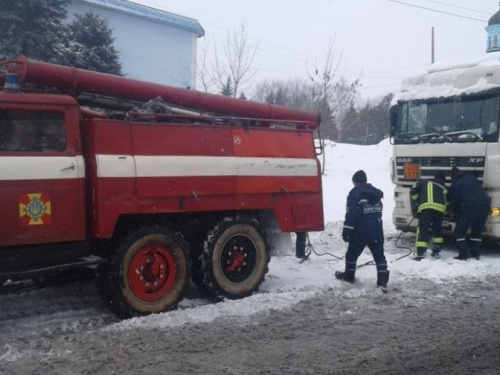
{"points": [[204, 76], [332, 92], [237, 62]]}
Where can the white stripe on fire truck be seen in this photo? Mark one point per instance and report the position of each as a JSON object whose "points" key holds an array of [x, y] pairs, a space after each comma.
{"points": [[13, 168], [193, 166]]}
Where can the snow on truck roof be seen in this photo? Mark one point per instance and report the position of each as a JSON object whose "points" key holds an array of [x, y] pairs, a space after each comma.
{"points": [[453, 78]]}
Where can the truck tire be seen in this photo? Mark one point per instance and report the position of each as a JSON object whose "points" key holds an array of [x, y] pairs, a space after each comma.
{"points": [[148, 273], [235, 259]]}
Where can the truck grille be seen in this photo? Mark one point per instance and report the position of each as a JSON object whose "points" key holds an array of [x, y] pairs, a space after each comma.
{"points": [[429, 165]]}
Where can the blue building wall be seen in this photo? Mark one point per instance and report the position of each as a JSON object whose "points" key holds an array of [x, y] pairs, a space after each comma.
{"points": [[154, 46], [493, 42]]}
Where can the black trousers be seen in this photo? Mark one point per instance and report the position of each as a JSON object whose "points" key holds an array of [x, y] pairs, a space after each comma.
{"points": [[473, 219], [429, 229], [355, 249]]}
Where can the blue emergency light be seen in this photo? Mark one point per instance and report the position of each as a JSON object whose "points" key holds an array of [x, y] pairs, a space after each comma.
{"points": [[11, 82]]}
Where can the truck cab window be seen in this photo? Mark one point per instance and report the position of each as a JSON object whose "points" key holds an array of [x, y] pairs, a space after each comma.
{"points": [[32, 131], [448, 120]]}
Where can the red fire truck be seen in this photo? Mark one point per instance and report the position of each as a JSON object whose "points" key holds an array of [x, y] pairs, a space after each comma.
{"points": [[153, 185]]}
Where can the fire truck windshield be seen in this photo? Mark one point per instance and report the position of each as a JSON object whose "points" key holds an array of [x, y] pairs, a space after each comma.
{"points": [[459, 119]]}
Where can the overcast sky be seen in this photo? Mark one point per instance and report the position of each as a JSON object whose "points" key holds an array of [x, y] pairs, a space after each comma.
{"points": [[381, 41]]}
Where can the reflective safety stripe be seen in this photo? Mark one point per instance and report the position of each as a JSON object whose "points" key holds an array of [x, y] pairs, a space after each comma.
{"points": [[350, 266], [420, 244], [430, 192], [437, 240], [430, 204]]}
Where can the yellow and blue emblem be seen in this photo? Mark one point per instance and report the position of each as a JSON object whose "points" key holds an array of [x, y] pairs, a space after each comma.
{"points": [[34, 209]]}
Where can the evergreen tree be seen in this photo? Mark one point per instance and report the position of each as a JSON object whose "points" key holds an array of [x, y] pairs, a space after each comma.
{"points": [[90, 45], [32, 28], [368, 124], [293, 93], [227, 88]]}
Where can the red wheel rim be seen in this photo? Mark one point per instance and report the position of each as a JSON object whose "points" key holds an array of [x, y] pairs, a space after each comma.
{"points": [[152, 272]]}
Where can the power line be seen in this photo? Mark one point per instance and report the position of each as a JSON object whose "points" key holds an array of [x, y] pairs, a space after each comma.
{"points": [[296, 55], [457, 6], [437, 11]]}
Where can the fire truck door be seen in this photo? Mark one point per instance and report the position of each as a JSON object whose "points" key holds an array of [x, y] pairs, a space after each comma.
{"points": [[41, 178]]}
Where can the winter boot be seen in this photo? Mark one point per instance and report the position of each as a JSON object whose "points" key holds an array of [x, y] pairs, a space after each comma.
{"points": [[475, 247], [382, 279], [420, 253], [463, 250], [347, 276], [436, 250]]}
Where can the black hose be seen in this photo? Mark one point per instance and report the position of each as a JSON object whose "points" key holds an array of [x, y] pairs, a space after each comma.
{"points": [[404, 231], [310, 249]]}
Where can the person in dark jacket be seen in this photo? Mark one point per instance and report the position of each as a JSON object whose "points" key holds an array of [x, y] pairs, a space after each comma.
{"points": [[363, 227], [430, 199], [470, 206]]}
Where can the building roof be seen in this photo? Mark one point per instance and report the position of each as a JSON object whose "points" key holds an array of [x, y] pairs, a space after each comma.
{"points": [[156, 15], [495, 19]]}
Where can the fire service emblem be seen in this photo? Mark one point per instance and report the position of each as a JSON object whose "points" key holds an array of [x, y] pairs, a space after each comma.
{"points": [[34, 209]]}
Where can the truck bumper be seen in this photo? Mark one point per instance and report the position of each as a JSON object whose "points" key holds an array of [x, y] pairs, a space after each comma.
{"points": [[402, 216], [492, 229], [403, 220]]}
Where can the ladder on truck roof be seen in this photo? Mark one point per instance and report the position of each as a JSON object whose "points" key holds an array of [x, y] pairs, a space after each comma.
{"points": [[106, 91]]}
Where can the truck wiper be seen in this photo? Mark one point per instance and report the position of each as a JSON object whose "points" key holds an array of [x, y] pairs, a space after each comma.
{"points": [[462, 136], [431, 138], [407, 138], [412, 138]]}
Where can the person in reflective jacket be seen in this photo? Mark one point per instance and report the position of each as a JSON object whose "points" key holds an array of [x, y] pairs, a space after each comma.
{"points": [[363, 227], [470, 205], [430, 199]]}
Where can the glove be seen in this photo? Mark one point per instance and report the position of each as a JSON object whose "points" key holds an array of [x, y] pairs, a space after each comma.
{"points": [[414, 210], [346, 234]]}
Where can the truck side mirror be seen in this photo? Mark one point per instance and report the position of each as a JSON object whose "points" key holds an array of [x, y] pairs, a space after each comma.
{"points": [[393, 117]]}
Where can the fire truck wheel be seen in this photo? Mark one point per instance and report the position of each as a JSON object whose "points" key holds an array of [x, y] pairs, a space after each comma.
{"points": [[148, 273], [235, 259]]}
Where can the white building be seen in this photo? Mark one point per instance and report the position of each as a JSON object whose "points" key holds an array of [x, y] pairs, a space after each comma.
{"points": [[154, 45]]}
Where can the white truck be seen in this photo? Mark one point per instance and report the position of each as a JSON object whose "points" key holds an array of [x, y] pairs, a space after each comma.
{"points": [[445, 118]]}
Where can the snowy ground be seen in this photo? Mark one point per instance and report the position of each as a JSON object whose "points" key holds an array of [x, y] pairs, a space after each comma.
{"points": [[439, 316]]}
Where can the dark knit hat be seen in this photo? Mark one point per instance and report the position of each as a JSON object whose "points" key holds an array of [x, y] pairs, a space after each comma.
{"points": [[359, 177], [454, 173]]}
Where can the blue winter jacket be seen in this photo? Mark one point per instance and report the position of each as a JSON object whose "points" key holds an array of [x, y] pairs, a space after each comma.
{"points": [[364, 214], [466, 194]]}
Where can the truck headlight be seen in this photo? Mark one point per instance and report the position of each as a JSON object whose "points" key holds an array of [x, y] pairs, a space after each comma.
{"points": [[495, 211]]}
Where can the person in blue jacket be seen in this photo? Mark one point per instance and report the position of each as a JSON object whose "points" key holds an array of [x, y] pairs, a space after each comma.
{"points": [[363, 227], [470, 206]]}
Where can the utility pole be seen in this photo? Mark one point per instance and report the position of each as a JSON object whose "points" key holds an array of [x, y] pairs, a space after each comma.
{"points": [[432, 45]]}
